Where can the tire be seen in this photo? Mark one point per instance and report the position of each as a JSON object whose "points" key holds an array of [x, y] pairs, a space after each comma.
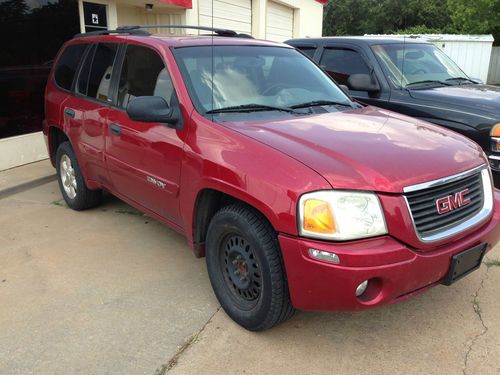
{"points": [[71, 181], [246, 269]]}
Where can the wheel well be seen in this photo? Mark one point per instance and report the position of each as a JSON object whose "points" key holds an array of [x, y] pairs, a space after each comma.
{"points": [[208, 202], [56, 137]]}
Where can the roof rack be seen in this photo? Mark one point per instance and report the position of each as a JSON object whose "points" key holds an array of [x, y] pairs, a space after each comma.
{"points": [[139, 30], [109, 32], [221, 32]]}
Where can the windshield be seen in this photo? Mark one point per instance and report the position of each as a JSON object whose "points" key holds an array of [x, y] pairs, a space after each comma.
{"points": [[407, 64], [253, 77]]}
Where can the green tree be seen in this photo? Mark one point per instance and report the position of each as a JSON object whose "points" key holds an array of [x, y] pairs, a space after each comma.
{"points": [[476, 17], [358, 17]]}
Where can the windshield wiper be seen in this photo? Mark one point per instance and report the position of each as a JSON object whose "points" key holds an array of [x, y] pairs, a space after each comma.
{"points": [[459, 79], [429, 81], [316, 103], [253, 107]]}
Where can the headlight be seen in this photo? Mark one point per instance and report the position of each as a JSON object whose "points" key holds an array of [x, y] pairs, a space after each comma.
{"points": [[340, 215], [495, 137]]}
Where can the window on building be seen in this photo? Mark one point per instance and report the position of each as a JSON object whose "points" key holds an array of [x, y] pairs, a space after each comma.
{"points": [[95, 77], [340, 63], [33, 32], [143, 74], [67, 65]]}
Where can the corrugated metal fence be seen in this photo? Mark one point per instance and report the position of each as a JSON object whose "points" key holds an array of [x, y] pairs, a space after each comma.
{"points": [[494, 73]]}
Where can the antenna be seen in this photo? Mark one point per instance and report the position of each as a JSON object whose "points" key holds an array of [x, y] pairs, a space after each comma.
{"points": [[403, 63]]}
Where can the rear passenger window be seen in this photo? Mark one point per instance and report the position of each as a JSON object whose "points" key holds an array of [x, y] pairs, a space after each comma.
{"points": [[340, 63], [95, 77], [309, 51], [143, 74], [67, 65]]}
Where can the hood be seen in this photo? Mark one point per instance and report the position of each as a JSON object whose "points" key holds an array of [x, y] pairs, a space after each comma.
{"points": [[368, 148], [479, 97]]}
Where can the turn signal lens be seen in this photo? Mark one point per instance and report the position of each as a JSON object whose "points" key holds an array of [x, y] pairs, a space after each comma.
{"points": [[318, 217], [495, 130]]}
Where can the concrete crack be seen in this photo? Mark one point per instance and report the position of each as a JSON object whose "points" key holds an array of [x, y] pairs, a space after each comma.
{"points": [[163, 369], [477, 310]]}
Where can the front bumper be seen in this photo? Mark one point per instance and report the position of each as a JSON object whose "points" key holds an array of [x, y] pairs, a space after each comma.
{"points": [[395, 270]]}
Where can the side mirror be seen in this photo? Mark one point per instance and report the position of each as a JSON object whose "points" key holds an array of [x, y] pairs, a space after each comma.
{"points": [[362, 82], [151, 109]]}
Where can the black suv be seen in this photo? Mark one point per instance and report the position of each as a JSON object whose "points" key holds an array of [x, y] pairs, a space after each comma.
{"points": [[415, 78]]}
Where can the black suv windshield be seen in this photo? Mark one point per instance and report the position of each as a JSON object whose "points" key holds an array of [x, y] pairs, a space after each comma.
{"points": [[413, 64], [254, 78]]}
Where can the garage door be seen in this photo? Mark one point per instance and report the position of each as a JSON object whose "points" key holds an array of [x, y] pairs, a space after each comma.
{"points": [[234, 15], [279, 23]]}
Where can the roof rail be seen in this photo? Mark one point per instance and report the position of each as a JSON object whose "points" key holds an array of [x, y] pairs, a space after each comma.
{"points": [[220, 32], [108, 32]]}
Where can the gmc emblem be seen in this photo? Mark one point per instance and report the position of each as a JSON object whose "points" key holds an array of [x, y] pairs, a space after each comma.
{"points": [[452, 202]]}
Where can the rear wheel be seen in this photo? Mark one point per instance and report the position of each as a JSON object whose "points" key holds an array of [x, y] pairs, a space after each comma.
{"points": [[245, 268], [71, 181]]}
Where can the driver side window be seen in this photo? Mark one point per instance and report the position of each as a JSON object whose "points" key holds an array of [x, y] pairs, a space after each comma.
{"points": [[341, 63], [143, 74]]}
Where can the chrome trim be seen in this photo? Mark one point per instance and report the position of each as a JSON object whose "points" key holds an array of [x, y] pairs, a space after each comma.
{"points": [[494, 157], [481, 216], [442, 181]]}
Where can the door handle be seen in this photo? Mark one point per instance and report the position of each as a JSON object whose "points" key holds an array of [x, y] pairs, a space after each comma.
{"points": [[69, 112], [115, 129]]}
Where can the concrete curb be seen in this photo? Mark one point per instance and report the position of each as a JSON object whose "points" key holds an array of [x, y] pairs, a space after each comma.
{"points": [[11, 190]]}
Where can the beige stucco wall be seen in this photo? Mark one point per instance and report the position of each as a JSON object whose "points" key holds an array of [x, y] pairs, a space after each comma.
{"points": [[308, 15]]}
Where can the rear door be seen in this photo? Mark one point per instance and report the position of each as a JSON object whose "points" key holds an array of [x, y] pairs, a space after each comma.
{"points": [[144, 159], [93, 99]]}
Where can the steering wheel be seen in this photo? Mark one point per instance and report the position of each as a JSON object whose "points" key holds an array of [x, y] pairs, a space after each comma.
{"points": [[274, 88], [419, 71]]}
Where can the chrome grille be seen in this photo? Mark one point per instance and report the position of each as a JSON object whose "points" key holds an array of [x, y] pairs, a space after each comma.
{"points": [[423, 207]]}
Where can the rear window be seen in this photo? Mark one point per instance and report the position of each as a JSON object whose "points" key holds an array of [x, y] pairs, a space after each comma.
{"points": [[95, 76], [68, 64]]}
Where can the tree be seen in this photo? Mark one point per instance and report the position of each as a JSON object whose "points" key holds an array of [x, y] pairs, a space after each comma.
{"points": [[358, 17], [476, 17]]}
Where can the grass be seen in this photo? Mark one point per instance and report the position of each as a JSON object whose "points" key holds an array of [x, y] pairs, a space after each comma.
{"points": [[493, 263]]}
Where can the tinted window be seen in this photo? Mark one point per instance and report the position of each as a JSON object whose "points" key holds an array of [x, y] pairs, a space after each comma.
{"points": [[96, 83], [143, 74], [309, 51], [341, 63], [68, 64], [83, 79]]}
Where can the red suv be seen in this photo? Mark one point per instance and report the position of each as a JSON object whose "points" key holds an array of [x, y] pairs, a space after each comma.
{"points": [[297, 196]]}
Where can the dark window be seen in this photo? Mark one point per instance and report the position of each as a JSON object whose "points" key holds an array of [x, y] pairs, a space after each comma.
{"points": [[308, 51], [83, 79], [340, 63], [32, 34], [97, 83], [143, 74], [68, 64]]}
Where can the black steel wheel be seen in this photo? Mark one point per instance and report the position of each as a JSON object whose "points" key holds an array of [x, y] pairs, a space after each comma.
{"points": [[246, 269]]}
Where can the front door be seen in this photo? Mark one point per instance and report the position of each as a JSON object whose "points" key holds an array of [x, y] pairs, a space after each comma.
{"points": [[144, 159]]}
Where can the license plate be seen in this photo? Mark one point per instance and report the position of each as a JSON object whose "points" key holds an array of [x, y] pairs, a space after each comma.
{"points": [[465, 262]]}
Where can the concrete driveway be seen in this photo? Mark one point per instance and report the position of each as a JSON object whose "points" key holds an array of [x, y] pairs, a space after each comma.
{"points": [[110, 291]]}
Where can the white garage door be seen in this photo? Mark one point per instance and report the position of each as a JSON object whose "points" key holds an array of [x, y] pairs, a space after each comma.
{"points": [[279, 23], [231, 14]]}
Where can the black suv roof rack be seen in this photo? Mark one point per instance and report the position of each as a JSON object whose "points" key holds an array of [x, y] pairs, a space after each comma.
{"points": [[139, 30]]}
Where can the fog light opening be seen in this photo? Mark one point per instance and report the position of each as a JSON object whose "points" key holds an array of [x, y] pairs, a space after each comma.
{"points": [[324, 256], [361, 288]]}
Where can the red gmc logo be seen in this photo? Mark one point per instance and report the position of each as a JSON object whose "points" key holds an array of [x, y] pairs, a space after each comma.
{"points": [[452, 202]]}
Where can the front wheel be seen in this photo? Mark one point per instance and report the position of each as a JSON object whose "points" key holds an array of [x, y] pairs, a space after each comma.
{"points": [[246, 269]]}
